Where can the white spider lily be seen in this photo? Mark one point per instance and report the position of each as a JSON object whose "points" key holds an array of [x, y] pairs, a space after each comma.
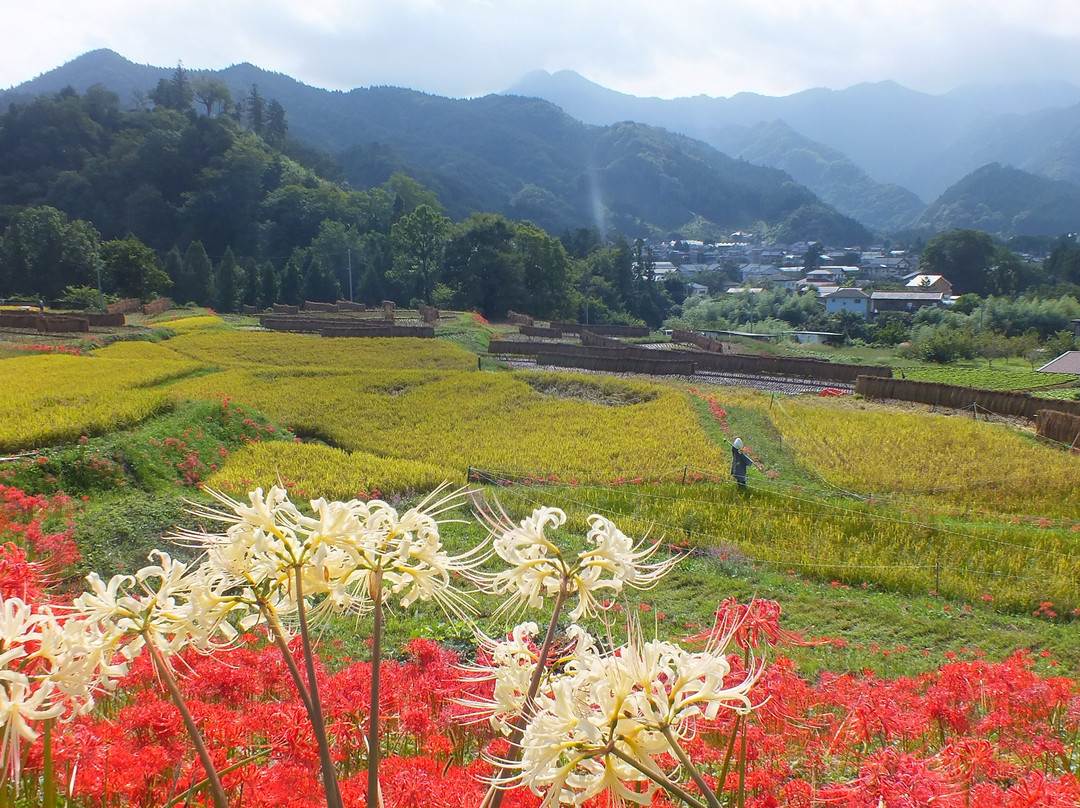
{"points": [[79, 659], [510, 666], [637, 700], [20, 704], [539, 569], [336, 551], [155, 606]]}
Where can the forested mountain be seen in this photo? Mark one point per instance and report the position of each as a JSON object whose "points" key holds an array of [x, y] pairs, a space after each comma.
{"points": [[1007, 202], [830, 174], [208, 209], [856, 148], [519, 157]]}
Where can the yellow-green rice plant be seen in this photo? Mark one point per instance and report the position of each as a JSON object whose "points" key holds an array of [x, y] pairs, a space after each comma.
{"points": [[49, 398], [852, 543], [278, 349], [184, 325], [314, 470], [941, 460], [486, 420]]}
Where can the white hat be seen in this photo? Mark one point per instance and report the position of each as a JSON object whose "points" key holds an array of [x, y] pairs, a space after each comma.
{"points": [[738, 443]]}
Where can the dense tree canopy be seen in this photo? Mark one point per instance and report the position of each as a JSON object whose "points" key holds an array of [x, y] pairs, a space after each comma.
{"points": [[973, 262]]}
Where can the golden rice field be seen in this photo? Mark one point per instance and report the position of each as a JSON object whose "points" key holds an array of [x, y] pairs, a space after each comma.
{"points": [[935, 458], [791, 531], [185, 325], [459, 419], [313, 470], [405, 414], [269, 350], [53, 398]]}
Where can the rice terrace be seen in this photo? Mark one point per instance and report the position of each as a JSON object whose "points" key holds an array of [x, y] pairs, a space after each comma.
{"points": [[224, 544]]}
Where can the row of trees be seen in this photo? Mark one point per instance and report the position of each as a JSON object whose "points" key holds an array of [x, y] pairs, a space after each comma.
{"points": [[181, 93], [975, 263], [186, 191], [994, 327], [486, 263]]}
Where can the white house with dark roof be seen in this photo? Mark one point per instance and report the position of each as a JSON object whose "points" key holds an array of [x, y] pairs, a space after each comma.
{"points": [[848, 298]]}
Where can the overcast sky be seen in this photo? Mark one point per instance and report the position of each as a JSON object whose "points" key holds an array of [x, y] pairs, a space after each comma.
{"points": [[644, 47]]}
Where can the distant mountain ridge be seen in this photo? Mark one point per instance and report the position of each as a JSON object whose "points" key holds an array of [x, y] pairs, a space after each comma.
{"points": [[523, 157], [883, 138], [1006, 201]]}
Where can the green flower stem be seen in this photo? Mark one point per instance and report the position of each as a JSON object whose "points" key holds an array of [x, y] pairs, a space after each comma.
{"points": [[186, 796], [722, 779], [376, 664], [662, 780], [494, 796], [691, 769], [282, 644], [318, 725], [48, 795], [742, 767], [216, 790]]}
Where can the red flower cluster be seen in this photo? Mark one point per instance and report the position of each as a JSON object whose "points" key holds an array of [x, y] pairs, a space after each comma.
{"points": [[32, 557], [70, 350], [972, 734]]}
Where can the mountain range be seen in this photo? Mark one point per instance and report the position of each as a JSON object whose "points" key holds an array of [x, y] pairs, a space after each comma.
{"points": [[876, 151], [566, 152]]}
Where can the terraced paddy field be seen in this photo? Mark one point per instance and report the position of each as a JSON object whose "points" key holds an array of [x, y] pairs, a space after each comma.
{"points": [[908, 541]]}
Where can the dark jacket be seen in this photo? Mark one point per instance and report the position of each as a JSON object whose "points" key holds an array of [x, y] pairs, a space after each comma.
{"points": [[739, 463]]}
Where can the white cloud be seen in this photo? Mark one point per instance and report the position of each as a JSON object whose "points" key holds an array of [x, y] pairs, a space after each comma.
{"points": [[471, 47]]}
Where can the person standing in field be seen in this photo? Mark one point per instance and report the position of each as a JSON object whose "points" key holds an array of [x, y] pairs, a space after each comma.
{"points": [[739, 463]]}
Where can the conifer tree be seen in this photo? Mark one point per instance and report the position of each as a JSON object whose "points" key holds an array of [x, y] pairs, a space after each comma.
{"points": [[199, 275], [227, 283]]}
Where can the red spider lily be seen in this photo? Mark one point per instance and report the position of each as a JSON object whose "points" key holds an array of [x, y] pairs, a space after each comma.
{"points": [[752, 625]]}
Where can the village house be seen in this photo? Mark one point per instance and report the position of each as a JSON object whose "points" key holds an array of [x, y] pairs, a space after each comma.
{"points": [[848, 299], [1068, 362], [929, 283], [904, 301]]}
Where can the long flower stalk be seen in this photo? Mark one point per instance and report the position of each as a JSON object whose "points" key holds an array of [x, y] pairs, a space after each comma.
{"points": [[163, 672], [48, 787], [494, 796], [376, 660], [318, 725], [660, 779], [277, 631], [690, 768]]}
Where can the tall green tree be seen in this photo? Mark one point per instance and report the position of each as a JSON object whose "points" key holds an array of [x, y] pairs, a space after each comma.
{"points": [[174, 93], [333, 248], [419, 239], [968, 259], [174, 269], [227, 281], [1063, 263], [212, 94], [318, 281], [198, 284], [255, 110], [408, 194], [268, 286], [250, 285], [481, 268], [291, 292], [277, 127], [41, 253], [547, 272], [132, 269]]}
